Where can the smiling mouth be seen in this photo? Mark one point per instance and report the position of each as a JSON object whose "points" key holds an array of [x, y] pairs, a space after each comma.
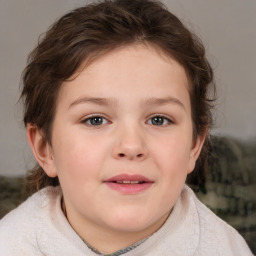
{"points": [[129, 179], [129, 184]]}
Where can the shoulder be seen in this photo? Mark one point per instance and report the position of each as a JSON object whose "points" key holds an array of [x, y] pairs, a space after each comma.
{"points": [[36, 206], [21, 225], [215, 234]]}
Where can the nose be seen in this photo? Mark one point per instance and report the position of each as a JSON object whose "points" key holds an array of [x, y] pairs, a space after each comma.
{"points": [[130, 144]]}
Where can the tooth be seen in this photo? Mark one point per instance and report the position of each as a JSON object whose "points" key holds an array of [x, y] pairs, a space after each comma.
{"points": [[127, 182]]}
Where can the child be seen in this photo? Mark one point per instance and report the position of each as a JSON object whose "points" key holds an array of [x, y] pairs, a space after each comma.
{"points": [[117, 112]]}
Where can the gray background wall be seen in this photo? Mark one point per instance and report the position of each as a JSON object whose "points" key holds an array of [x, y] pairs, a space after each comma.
{"points": [[227, 28]]}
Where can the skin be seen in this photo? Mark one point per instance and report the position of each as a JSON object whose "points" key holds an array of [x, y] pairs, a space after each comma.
{"points": [[124, 89]]}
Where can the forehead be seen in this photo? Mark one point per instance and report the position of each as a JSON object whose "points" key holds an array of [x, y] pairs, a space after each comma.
{"points": [[151, 50], [141, 70]]}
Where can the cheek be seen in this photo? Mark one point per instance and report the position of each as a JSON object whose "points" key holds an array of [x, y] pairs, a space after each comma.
{"points": [[172, 154], [77, 156]]}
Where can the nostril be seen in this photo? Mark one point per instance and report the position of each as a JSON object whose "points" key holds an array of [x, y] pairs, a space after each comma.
{"points": [[130, 156]]}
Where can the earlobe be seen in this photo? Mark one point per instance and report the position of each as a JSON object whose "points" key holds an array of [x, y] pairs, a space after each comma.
{"points": [[195, 152], [41, 149]]}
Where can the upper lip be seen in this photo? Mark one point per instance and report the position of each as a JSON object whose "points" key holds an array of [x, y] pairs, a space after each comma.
{"points": [[129, 177]]}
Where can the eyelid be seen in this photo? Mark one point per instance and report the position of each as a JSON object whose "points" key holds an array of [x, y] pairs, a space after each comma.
{"points": [[88, 117], [169, 119]]}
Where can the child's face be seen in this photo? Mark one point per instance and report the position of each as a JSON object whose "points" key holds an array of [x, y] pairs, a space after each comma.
{"points": [[125, 118]]}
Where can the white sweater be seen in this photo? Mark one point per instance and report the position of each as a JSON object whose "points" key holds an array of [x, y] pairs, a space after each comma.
{"points": [[38, 227]]}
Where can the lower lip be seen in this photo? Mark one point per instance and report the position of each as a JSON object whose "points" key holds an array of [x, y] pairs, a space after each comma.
{"points": [[129, 188]]}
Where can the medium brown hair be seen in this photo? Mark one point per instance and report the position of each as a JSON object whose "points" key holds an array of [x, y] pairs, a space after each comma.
{"points": [[87, 33]]}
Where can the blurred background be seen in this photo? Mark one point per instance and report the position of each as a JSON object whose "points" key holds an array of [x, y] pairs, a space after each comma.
{"points": [[227, 28]]}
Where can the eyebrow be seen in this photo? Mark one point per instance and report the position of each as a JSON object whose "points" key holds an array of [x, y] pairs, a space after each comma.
{"points": [[164, 101], [97, 101], [146, 102]]}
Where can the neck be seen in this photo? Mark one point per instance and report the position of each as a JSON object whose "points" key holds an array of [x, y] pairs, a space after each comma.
{"points": [[106, 240], [106, 249]]}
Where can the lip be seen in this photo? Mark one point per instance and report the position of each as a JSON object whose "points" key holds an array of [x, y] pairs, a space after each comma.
{"points": [[126, 183]]}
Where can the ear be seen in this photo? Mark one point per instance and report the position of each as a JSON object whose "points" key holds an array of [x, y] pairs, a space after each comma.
{"points": [[41, 149], [195, 152]]}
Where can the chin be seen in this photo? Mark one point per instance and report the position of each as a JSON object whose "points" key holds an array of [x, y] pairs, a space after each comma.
{"points": [[132, 221]]}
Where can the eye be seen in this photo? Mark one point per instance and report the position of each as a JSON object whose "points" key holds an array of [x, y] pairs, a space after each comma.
{"points": [[159, 121], [95, 121]]}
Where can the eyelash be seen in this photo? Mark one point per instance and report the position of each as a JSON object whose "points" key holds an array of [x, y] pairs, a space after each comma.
{"points": [[166, 121], [103, 120], [88, 120]]}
